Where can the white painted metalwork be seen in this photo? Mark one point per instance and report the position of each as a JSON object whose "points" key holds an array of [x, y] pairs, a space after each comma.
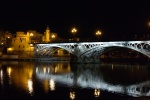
{"points": [[92, 49]]}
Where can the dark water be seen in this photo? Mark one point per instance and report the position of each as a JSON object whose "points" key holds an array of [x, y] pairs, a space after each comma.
{"points": [[65, 81]]}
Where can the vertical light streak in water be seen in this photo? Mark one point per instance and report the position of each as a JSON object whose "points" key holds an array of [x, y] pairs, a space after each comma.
{"points": [[112, 66], [52, 84], [44, 70], [30, 86], [37, 70], [96, 92], [72, 95], [48, 70], [9, 70], [1, 77]]}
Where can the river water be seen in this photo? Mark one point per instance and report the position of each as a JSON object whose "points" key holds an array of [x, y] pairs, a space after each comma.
{"points": [[65, 81]]}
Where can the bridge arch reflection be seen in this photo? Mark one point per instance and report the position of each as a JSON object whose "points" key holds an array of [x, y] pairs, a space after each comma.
{"points": [[93, 76]]}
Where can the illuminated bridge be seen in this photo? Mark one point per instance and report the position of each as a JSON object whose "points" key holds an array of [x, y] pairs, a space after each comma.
{"points": [[90, 51]]}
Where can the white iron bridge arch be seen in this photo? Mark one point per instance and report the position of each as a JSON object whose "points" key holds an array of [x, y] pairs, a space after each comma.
{"points": [[90, 51]]}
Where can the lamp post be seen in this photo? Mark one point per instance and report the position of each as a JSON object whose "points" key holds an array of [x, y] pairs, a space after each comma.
{"points": [[98, 33], [73, 31]]}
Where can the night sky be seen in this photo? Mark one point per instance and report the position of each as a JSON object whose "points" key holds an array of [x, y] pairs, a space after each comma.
{"points": [[115, 18]]}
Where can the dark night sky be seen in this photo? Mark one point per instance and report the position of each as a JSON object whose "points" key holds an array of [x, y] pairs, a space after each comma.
{"points": [[115, 18]]}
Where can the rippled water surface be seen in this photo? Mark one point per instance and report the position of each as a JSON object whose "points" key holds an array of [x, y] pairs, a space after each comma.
{"points": [[65, 81]]}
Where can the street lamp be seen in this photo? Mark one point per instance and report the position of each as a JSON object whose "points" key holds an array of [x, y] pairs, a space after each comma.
{"points": [[53, 37], [73, 31], [148, 23], [98, 33]]}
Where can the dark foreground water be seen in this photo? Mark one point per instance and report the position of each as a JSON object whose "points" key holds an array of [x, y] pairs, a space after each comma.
{"points": [[65, 81]]}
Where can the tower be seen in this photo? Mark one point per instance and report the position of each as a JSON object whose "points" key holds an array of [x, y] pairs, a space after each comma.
{"points": [[47, 34]]}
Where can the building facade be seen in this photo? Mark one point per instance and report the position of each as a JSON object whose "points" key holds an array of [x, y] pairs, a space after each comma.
{"points": [[22, 44]]}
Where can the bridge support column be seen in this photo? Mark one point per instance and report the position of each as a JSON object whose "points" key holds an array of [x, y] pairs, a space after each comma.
{"points": [[75, 59]]}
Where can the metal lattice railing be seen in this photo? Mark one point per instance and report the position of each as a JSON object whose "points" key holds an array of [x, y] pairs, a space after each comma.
{"points": [[92, 49]]}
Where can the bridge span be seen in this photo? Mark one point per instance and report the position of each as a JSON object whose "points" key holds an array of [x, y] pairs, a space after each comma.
{"points": [[90, 51]]}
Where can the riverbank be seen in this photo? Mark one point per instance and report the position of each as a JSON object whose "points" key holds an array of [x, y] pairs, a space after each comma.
{"points": [[140, 60], [37, 59]]}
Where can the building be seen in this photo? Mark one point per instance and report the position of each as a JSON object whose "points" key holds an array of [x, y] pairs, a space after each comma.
{"points": [[22, 46], [35, 37]]}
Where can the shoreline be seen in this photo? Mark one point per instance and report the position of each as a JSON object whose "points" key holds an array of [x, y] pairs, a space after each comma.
{"points": [[37, 59], [69, 58]]}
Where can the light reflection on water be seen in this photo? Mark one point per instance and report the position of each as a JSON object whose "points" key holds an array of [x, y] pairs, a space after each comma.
{"points": [[128, 79]]}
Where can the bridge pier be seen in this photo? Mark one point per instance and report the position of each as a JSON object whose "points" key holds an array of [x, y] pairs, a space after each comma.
{"points": [[75, 59]]}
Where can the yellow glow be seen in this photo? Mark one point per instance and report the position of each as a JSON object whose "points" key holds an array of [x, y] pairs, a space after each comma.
{"points": [[31, 34], [21, 77], [148, 23], [53, 36], [8, 37], [72, 95], [31, 45], [10, 49], [97, 92], [73, 30], [2, 43], [98, 33], [52, 84], [9, 70], [30, 73]]}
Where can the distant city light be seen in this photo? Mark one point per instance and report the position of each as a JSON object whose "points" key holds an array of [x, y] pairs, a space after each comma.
{"points": [[73, 30], [31, 34], [10, 49], [31, 45], [98, 33], [53, 36]]}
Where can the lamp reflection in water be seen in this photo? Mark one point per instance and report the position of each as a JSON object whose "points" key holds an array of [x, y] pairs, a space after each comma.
{"points": [[72, 95], [96, 92], [9, 70], [1, 76], [52, 84], [30, 86]]}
